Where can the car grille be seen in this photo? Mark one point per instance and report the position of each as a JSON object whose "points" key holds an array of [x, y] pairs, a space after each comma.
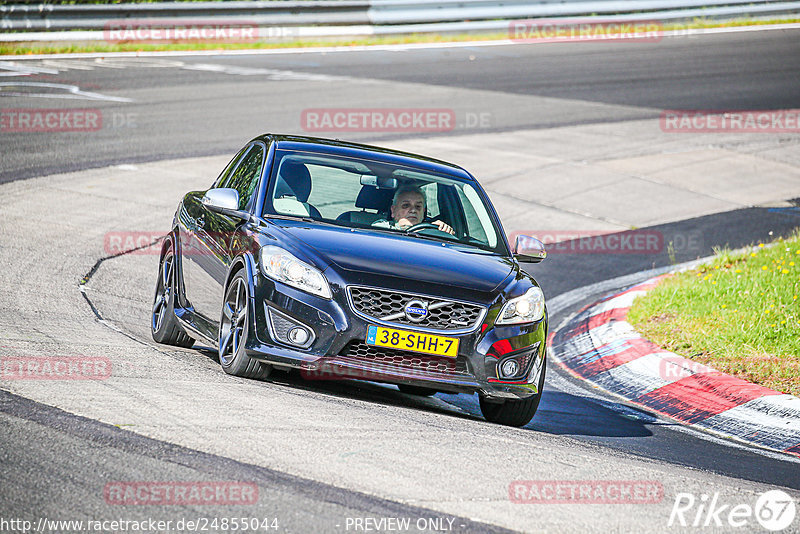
{"points": [[358, 351], [388, 306]]}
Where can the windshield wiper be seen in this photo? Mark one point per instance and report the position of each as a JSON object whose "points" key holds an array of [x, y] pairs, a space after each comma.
{"points": [[419, 236], [473, 249], [303, 218], [442, 239]]}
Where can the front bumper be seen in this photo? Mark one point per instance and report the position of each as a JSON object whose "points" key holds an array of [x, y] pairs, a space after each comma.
{"points": [[338, 350]]}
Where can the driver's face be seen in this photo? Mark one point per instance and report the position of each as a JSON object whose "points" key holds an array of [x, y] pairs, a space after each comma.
{"points": [[409, 206]]}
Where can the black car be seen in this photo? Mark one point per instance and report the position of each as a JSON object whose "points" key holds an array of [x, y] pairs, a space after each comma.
{"points": [[298, 257]]}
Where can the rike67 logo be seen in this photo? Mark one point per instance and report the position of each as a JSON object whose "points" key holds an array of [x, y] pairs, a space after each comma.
{"points": [[774, 510]]}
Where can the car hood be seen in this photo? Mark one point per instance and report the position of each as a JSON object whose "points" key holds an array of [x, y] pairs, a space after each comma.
{"points": [[400, 256]]}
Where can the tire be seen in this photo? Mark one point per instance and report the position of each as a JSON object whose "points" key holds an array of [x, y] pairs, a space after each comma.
{"points": [[163, 324], [416, 390], [514, 412], [233, 328]]}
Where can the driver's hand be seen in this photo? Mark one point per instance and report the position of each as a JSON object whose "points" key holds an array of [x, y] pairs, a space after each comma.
{"points": [[404, 224], [444, 227]]}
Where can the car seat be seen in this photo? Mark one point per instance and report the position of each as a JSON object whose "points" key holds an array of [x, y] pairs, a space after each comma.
{"points": [[293, 189], [369, 198]]}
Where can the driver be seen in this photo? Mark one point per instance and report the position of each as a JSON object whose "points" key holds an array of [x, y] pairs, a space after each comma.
{"points": [[408, 209]]}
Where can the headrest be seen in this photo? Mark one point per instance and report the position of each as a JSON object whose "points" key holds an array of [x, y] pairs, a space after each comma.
{"points": [[295, 177], [282, 189], [372, 198]]}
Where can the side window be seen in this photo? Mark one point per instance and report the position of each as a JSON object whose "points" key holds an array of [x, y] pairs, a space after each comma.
{"points": [[431, 199], [246, 176], [225, 174], [478, 223], [333, 190]]}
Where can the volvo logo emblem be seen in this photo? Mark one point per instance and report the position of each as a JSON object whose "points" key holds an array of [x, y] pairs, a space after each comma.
{"points": [[416, 311]]}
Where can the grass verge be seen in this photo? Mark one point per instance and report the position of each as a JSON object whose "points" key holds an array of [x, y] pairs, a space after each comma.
{"points": [[739, 314], [101, 46], [30, 48]]}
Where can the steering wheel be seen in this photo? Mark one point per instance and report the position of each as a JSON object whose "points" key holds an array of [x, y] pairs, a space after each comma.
{"points": [[422, 226]]}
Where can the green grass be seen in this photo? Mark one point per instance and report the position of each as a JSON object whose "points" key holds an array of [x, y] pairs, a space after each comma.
{"points": [[101, 46], [739, 314]]}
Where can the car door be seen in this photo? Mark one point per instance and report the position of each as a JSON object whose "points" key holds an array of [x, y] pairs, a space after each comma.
{"points": [[193, 242], [220, 232]]}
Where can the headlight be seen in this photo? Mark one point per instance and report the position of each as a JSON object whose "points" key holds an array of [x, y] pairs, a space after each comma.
{"points": [[528, 308], [279, 265]]}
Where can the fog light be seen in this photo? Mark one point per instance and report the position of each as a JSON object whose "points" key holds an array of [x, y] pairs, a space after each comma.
{"points": [[288, 330], [298, 335], [509, 368]]}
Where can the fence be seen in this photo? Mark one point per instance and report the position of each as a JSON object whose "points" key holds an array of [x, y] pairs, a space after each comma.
{"points": [[316, 18]]}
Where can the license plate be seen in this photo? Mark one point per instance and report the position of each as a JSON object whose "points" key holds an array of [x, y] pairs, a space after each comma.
{"points": [[412, 341]]}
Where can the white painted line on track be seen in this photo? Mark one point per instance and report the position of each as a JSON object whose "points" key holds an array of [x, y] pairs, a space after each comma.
{"points": [[13, 69], [377, 48], [273, 74], [72, 64], [622, 301], [71, 92], [635, 378], [51, 66]]}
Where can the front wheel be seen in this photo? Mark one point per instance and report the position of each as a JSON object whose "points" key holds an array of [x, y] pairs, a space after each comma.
{"points": [[513, 412], [233, 329]]}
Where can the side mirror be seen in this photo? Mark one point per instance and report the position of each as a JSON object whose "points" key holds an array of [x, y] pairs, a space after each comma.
{"points": [[528, 249], [226, 201]]}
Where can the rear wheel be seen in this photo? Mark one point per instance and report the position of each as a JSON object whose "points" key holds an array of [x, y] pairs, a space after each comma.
{"points": [[416, 390], [163, 324], [233, 329], [513, 412]]}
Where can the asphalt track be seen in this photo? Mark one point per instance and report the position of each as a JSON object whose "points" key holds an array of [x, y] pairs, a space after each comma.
{"points": [[55, 463], [199, 106]]}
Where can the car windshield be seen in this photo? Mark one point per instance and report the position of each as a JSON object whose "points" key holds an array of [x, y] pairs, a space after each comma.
{"points": [[378, 195]]}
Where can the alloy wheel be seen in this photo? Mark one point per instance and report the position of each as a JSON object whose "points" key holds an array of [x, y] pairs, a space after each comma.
{"points": [[234, 316], [163, 293]]}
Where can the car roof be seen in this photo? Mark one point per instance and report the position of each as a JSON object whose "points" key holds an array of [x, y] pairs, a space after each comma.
{"points": [[356, 150]]}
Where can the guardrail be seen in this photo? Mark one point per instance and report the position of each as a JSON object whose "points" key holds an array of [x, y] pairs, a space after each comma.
{"points": [[318, 18], [420, 11], [96, 16]]}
